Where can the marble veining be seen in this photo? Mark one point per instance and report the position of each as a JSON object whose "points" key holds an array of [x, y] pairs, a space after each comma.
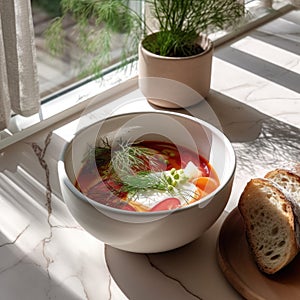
{"points": [[32, 266], [166, 275], [40, 153]]}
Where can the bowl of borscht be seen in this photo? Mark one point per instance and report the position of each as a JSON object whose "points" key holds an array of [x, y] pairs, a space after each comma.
{"points": [[147, 182]]}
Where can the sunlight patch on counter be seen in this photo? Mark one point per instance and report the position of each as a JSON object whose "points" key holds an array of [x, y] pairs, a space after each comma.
{"points": [[256, 91], [270, 53]]}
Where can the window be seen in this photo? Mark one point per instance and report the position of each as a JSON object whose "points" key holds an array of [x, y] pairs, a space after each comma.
{"points": [[58, 76], [65, 69]]}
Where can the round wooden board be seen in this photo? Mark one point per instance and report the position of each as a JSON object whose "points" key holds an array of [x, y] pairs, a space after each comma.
{"points": [[239, 268]]}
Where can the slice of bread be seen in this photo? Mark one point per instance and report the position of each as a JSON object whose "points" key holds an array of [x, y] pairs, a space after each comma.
{"points": [[269, 224]]}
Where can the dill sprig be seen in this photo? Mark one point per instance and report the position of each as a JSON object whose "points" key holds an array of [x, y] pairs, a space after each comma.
{"points": [[166, 181], [129, 158], [143, 181]]}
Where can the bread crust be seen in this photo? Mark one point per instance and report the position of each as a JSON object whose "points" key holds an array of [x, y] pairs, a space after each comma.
{"points": [[290, 175], [289, 180], [269, 224]]}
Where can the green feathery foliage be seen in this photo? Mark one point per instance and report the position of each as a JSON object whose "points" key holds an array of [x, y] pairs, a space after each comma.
{"points": [[179, 24]]}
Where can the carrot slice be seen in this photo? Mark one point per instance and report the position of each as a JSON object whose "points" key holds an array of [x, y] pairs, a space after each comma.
{"points": [[206, 184]]}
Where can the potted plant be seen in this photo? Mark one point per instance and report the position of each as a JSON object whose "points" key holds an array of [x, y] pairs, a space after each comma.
{"points": [[171, 40]]}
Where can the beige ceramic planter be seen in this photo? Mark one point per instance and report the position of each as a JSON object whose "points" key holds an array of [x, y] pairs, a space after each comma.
{"points": [[175, 82]]}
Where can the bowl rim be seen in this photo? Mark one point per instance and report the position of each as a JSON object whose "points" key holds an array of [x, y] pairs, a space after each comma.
{"points": [[74, 190]]}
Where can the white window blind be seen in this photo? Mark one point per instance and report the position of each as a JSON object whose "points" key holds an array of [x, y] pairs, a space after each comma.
{"points": [[19, 92]]}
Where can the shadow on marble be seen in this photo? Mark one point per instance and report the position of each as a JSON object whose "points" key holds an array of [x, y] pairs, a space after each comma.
{"points": [[260, 67], [283, 32], [294, 16], [277, 146], [177, 274], [24, 278], [285, 42], [238, 121]]}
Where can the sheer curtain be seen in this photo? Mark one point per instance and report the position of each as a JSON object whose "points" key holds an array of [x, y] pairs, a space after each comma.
{"points": [[19, 91]]}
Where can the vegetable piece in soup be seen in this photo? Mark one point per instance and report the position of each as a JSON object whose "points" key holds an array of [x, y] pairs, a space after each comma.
{"points": [[146, 176]]}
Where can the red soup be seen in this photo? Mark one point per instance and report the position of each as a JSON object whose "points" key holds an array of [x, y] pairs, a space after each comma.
{"points": [[145, 176]]}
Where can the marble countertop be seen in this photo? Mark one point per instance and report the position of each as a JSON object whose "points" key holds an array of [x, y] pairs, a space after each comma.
{"points": [[45, 254]]}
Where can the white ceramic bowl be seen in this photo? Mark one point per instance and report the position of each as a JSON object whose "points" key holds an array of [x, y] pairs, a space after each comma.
{"points": [[149, 232]]}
